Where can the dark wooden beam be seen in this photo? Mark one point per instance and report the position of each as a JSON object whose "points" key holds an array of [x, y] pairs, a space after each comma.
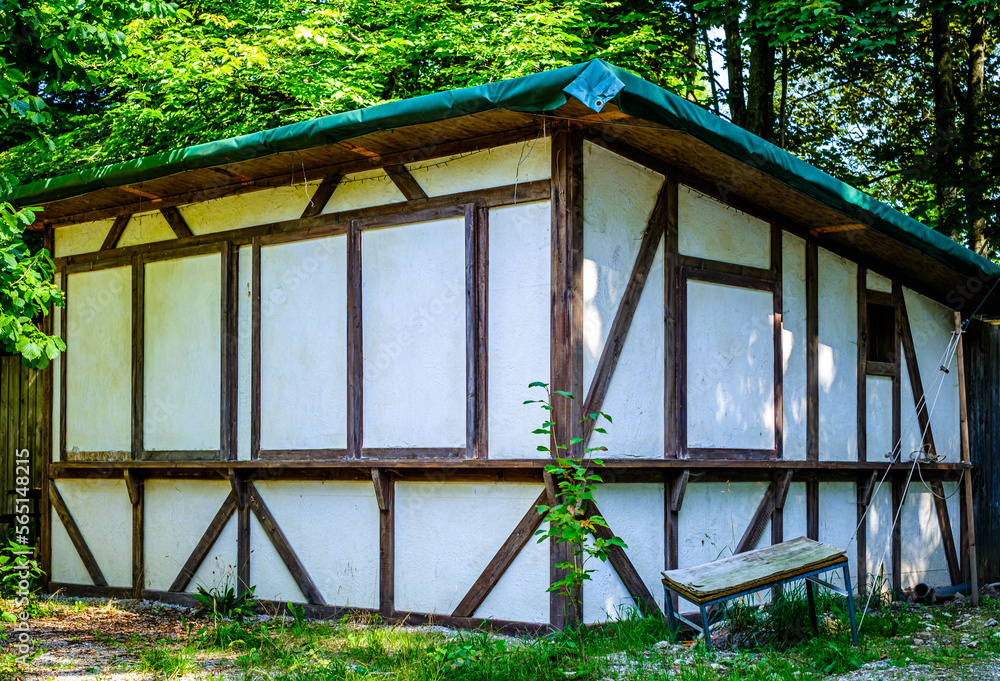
{"points": [[383, 495], [322, 195], [138, 356], [968, 520], [205, 544], [812, 352], [862, 377], [228, 347], [283, 547], [355, 344], [758, 521], [73, 530], [671, 354], [673, 499], [116, 231], [476, 329], [136, 494], [387, 548], [782, 482], [242, 498], [566, 363], [899, 485], [618, 332], [404, 181], [255, 341], [176, 221], [498, 565], [778, 375]]}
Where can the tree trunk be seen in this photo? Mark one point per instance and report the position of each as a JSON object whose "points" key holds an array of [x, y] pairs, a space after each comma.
{"points": [[733, 45], [976, 237], [710, 70], [691, 40], [760, 90], [944, 153]]}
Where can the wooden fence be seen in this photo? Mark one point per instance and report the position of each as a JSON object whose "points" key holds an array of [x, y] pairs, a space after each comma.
{"points": [[22, 426]]}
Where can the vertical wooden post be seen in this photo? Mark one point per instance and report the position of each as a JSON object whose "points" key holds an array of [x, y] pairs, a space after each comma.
{"points": [[136, 492], [671, 282], [255, 348], [812, 385], [778, 369], [229, 312], [243, 510], [138, 355], [567, 322], [899, 485], [969, 517], [44, 540], [355, 344], [476, 329], [862, 524], [386, 544]]}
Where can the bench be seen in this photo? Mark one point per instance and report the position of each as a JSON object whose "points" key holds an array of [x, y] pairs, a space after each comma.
{"points": [[747, 573]]}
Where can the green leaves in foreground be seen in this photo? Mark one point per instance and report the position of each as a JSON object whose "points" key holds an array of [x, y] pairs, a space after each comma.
{"points": [[26, 292]]}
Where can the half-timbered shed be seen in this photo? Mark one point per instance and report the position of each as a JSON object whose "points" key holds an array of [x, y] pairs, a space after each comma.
{"points": [[298, 359]]}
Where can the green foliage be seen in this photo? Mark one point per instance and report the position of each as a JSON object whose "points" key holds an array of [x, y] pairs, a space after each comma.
{"points": [[15, 567], [166, 663], [224, 602], [569, 521]]}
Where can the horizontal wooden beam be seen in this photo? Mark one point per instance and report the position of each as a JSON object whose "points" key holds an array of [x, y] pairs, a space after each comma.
{"points": [[327, 223]]}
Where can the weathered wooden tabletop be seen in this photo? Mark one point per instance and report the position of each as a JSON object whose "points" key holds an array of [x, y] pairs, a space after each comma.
{"points": [[744, 571]]}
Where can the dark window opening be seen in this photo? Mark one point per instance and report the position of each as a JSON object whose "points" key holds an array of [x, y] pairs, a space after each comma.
{"points": [[881, 333]]}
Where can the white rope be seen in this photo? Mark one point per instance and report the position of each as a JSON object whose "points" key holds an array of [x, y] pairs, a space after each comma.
{"points": [[944, 365]]}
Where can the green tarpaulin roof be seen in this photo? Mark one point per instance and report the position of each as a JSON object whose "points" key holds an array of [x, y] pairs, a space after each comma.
{"points": [[594, 83]]}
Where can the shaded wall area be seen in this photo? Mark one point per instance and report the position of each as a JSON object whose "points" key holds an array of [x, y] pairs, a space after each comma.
{"points": [[982, 360]]}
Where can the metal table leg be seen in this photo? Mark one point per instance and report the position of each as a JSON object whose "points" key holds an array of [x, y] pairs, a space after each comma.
{"points": [[671, 620], [705, 627], [850, 604], [812, 606]]}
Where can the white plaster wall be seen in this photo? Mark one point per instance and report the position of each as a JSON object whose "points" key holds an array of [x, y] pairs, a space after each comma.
{"points": [[730, 367], [145, 228], [519, 326], [495, 167], [183, 353], [521, 595], [878, 421], [247, 210], [414, 335], [793, 346], [838, 358], [635, 513], [103, 512], [932, 325], [794, 521], [334, 529], [99, 369], [177, 514], [838, 502], [83, 237], [712, 521], [267, 571], [362, 190], [619, 198], [244, 351], [876, 282], [218, 571], [923, 558], [878, 540], [707, 228], [447, 533], [67, 566], [303, 355]]}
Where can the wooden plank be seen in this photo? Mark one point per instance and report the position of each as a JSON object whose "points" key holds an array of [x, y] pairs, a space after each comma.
{"points": [[730, 454], [680, 364], [227, 350], [618, 332], [769, 285], [380, 481], [671, 284], [762, 277], [812, 352], [136, 492], [862, 377], [876, 297], [255, 308], [64, 361], [387, 549], [355, 344], [283, 547], [116, 231], [498, 565], [73, 530], [755, 528], [242, 498], [898, 494], [45, 520], [302, 454], [138, 356], [968, 521], [872, 368], [405, 182], [777, 339], [176, 221], [630, 577], [322, 195], [476, 329], [566, 363], [205, 544]]}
